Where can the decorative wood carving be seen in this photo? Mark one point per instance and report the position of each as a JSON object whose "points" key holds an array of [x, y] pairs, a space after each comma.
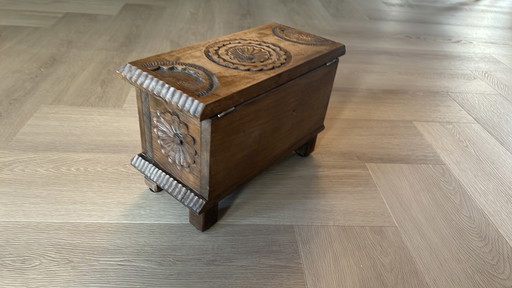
{"points": [[174, 139], [300, 37], [161, 89], [231, 128], [183, 194], [185, 76], [247, 55]]}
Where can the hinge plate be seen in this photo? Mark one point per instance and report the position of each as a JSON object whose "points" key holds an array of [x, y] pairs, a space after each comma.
{"points": [[331, 62], [220, 115]]}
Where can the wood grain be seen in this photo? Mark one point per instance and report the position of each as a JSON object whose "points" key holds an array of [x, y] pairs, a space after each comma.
{"points": [[11, 35], [75, 129], [375, 141], [464, 247], [81, 187], [427, 59], [261, 132], [406, 78], [77, 6], [336, 256], [505, 58], [112, 39], [399, 105], [293, 60], [499, 80], [189, 176], [28, 18], [481, 164], [317, 190], [441, 15], [33, 79], [148, 255], [68, 130], [492, 112]]}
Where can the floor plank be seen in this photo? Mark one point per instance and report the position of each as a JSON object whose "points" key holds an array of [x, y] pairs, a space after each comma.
{"points": [[79, 130], [11, 35], [481, 164], [148, 255], [446, 17], [452, 240], [375, 141], [318, 190], [336, 256], [31, 79], [377, 77], [499, 80], [395, 105], [505, 58], [28, 18], [77, 6], [96, 83], [68, 129], [492, 112], [83, 187], [411, 59]]}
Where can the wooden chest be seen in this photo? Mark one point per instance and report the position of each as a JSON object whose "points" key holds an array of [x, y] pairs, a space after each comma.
{"points": [[214, 115]]}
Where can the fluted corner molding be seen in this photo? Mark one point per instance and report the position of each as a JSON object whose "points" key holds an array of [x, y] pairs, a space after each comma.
{"points": [[181, 193], [161, 89]]}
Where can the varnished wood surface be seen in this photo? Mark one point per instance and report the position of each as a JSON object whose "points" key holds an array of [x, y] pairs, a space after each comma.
{"points": [[248, 140], [238, 85], [408, 186]]}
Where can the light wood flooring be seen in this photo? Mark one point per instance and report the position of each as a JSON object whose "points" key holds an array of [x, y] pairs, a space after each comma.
{"points": [[410, 184]]}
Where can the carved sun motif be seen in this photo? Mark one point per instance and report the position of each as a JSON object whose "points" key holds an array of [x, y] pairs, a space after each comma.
{"points": [[300, 37], [174, 139], [249, 54]]}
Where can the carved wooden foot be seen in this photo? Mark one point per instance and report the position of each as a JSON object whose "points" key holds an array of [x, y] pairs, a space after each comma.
{"points": [[204, 220], [307, 148], [152, 185]]}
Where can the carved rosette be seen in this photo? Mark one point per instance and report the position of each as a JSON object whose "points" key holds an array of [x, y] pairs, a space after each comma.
{"points": [[300, 37], [174, 140], [247, 55], [184, 76]]}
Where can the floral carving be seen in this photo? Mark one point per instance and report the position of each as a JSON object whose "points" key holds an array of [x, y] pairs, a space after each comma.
{"points": [[174, 139], [247, 55], [299, 37]]}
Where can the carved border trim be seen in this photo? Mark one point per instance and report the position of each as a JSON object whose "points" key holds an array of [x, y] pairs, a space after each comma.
{"points": [[181, 193], [161, 89], [308, 38]]}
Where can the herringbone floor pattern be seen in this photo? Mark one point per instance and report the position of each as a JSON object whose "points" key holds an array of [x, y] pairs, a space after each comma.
{"points": [[410, 184]]}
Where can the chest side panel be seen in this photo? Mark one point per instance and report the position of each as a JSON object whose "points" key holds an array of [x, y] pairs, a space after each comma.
{"points": [[258, 133], [175, 142]]}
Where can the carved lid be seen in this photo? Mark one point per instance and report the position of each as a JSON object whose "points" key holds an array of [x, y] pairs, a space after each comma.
{"points": [[211, 77]]}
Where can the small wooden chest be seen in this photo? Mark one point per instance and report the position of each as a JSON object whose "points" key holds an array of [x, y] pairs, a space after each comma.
{"points": [[214, 115]]}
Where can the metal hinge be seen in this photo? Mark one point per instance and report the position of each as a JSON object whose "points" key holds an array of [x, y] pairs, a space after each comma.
{"points": [[226, 112], [331, 62]]}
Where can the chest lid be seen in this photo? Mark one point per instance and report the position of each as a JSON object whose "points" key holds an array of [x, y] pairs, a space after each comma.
{"points": [[209, 78]]}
